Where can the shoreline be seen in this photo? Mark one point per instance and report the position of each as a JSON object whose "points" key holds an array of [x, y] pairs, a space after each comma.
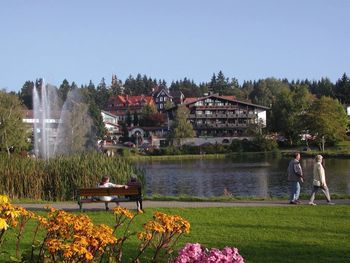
{"points": [[336, 155]]}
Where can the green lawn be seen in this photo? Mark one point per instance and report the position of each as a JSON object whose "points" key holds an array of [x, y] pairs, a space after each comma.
{"points": [[262, 234]]}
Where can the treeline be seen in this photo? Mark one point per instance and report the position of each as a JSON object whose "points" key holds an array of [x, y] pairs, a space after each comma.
{"points": [[261, 91], [288, 100]]}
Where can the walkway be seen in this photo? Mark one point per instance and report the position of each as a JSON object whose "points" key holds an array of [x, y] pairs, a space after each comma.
{"points": [[70, 206]]}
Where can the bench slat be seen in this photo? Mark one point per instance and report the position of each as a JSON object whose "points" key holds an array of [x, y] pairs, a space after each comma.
{"points": [[108, 191]]}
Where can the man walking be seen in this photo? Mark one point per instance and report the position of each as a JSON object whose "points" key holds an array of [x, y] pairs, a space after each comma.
{"points": [[295, 177]]}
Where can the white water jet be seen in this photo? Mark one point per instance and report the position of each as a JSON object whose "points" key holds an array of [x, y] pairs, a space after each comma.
{"points": [[57, 130]]}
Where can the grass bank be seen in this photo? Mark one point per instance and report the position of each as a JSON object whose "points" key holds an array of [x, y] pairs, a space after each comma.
{"points": [[200, 156], [262, 234], [176, 157]]}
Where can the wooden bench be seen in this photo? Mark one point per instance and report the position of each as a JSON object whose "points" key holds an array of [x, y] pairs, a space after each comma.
{"points": [[91, 195]]}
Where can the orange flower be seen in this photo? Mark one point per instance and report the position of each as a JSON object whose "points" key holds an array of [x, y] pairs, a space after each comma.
{"points": [[122, 212]]}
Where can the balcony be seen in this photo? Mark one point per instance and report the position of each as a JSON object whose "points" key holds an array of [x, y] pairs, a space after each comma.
{"points": [[219, 125], [223, 115]]}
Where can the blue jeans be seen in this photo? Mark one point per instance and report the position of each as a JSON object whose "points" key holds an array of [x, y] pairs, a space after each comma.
{"points": [[294, 191]]}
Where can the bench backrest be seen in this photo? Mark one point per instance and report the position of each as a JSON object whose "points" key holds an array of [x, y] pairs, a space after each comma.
{"points": [[106, 191]]}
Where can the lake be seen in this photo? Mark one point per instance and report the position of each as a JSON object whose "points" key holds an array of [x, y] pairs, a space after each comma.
{"points": [[259, 176]]}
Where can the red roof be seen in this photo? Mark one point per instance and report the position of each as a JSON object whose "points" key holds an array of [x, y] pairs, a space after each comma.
{"points": [[133, 100]]}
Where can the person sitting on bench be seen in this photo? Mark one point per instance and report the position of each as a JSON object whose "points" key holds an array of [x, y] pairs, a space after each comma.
{"points": [[133, 182], [105, 183]]}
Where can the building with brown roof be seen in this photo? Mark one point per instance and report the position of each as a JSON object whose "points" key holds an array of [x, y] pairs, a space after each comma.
{"points": [[122, 104], [221, 116]]}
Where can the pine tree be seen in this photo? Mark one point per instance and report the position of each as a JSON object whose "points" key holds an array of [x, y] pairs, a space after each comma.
{"points": [[26, 94]]}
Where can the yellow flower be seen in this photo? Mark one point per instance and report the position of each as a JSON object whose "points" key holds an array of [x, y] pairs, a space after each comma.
{"points": [[3, 224], [53, 245], [4, 199], [144, 236], [43, 221], [122, 212], [88, 256], [12, 213]]}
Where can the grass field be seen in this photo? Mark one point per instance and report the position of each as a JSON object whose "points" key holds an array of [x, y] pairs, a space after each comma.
{"points": [[262, 234]]}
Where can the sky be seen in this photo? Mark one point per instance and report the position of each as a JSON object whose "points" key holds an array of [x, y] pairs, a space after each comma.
{"points": [[85, 40]]}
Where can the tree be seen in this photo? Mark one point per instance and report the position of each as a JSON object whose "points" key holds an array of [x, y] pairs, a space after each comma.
{"points": [[168, 104], [102, 95], [181, 128], [342, 89], [116, 86], [323, 87], [12, 128], [89, 93], [266, 90], [187, 87], [287, 111], [63, 90], [327, 121], [150, 117], [128, 119], [125, 133], [26, 94], [135, 119]]}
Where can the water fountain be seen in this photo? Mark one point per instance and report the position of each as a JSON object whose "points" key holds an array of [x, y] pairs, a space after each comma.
{"points": [[58, 129]]}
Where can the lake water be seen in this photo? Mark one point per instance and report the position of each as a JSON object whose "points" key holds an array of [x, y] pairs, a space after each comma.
{"points": [[243, 176]]}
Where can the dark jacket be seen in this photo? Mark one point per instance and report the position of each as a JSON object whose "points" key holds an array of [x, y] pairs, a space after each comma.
{"points": [[294, 171]]}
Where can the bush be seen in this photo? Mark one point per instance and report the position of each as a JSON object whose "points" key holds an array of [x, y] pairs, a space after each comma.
{"points": [[258, 144]]}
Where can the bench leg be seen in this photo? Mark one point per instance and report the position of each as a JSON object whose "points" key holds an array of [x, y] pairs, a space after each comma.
{"points": [[106, 205], [80, 207]]}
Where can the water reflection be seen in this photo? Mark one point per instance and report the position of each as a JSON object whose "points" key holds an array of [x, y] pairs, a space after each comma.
{"points": [[261, 176]]}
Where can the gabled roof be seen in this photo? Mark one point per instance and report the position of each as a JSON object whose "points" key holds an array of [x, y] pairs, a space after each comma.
{"points": [[159, 89], [189, 101], [109, 113]]}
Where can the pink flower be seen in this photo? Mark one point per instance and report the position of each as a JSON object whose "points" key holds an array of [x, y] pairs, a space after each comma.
{"points": [[195, 253]]}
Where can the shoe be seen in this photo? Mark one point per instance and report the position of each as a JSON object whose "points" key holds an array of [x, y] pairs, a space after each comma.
{"points": [[298, 202], [312, 203], [293, 202], [330, 203]]}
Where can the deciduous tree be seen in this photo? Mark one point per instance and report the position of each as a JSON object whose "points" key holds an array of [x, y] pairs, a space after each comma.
{"points": [[181, 128], [12, 128], [327, 121]]}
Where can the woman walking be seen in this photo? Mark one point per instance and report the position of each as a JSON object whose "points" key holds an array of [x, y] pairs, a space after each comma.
{"points": [[319, 181]]}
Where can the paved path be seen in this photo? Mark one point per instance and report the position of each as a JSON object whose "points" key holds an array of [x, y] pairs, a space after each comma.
{"points": [[70, 206]]}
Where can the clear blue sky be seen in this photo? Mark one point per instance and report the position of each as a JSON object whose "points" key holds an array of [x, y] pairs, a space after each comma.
{"points": [[84, 40]]}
